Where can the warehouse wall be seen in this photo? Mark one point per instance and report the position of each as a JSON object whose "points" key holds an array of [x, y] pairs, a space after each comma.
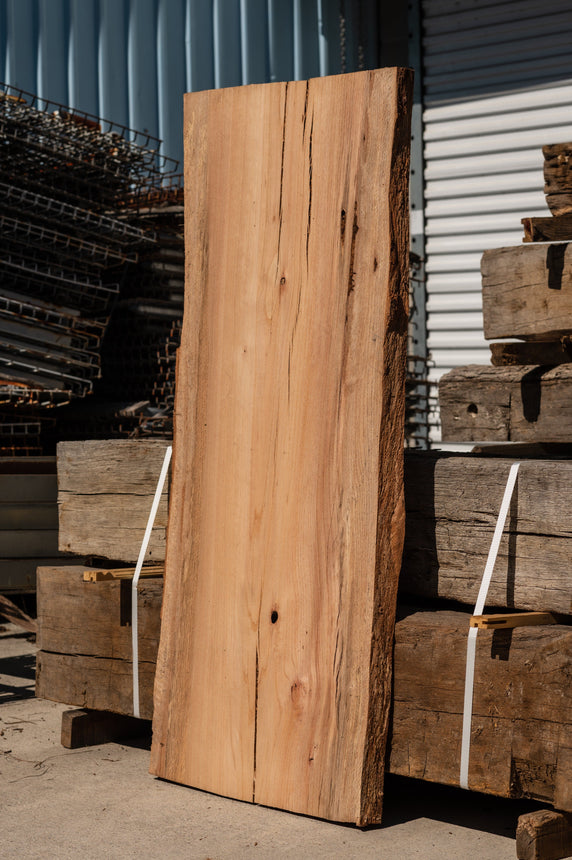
{"points": [[130, 61], [497, 86]]}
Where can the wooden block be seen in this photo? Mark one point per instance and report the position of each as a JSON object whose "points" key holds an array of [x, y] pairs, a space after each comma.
{"points": [[105, 492], [542, 352], [449, 529], [77, 617], [95, 683], [82, 728], [286, 521], [506, 404], [522, 706], [555, 228], [508, 620], [544, 835], [527, 291], [558, 177]]}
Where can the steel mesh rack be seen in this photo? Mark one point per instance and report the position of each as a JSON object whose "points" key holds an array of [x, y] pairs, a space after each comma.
{"points": [[71, 189]]}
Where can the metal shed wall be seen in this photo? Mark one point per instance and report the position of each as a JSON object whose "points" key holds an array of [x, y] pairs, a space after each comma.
{"points": [[130, 61], [497, 86]]}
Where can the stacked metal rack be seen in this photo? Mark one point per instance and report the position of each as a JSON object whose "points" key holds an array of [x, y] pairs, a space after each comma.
{"points": [[70, 186]]}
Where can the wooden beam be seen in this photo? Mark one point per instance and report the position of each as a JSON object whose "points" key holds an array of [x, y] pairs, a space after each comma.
{"points": [[527, 291], [507, 404], [105, 493], [555, 228], [77, 617], [452, 502], [522, 706], [532, 353], [286, 520], [545, 834]]}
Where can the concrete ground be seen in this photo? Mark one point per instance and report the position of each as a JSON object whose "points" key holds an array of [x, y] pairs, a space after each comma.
{"points": [[101, 802]]}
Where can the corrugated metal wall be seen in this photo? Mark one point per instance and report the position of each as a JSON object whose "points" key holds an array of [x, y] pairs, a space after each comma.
{"points": [[130, 61], [497, 86]]}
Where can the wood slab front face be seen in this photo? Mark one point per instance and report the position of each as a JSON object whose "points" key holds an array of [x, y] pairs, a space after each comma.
{"points": [[286, 518]]}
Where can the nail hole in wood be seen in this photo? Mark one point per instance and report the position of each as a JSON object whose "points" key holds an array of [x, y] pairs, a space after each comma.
{"points": [[274, 616], [472, 409]]}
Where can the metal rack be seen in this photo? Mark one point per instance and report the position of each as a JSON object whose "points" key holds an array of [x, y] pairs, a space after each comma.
{"points": [[71, 187]]}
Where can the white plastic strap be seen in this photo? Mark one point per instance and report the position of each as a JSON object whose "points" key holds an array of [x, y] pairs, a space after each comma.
{"points": [[472, 640], [139, 565]]}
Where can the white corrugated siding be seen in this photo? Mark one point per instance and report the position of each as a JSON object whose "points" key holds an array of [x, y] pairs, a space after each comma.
{"points": [[497, 86], [130, 61]]}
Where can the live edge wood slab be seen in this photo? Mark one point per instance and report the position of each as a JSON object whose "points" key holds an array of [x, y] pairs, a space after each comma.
{"points": [[286, 510]]}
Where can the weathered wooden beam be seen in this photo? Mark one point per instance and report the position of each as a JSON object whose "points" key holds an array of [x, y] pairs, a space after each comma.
{"points": [[452, 503], [93, 618], [532, 353], [554, 228], [545, 834], [558, 177], [105, 491], [95, 683], [522, 707], [527, 291], [507, 404], [285, 528]]}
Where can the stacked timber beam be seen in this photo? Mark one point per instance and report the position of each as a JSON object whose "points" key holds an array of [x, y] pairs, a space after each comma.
{"points": [[525, 396], [448, 532], [519, 407]]}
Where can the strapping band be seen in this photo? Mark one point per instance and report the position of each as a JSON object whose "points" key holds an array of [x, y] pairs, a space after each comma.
{"points": [[472, 640], [140, 560]]}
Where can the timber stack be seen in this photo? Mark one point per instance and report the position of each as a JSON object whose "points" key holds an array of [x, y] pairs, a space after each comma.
{"points": [[522, 705]]}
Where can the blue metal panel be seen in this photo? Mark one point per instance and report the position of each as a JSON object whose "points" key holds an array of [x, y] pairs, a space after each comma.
{"points": [[171, 70], [306, 50], [22, 47], [199, 45], [112, 61], [142, 67], [53, 20], [227, 53], [83, 76], [130, 61], [254, 41], [280, 40]]}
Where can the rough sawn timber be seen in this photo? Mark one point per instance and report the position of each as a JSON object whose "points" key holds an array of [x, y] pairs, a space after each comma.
{"points": [[286, 520], [507, 404], [521, 744], [527, 291], [544, 834], [452, 503], [105, 492]]}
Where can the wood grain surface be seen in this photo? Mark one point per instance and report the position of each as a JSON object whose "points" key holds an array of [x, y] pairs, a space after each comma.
{"points": [[286, 519], [527, 291], [507, 404]]}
